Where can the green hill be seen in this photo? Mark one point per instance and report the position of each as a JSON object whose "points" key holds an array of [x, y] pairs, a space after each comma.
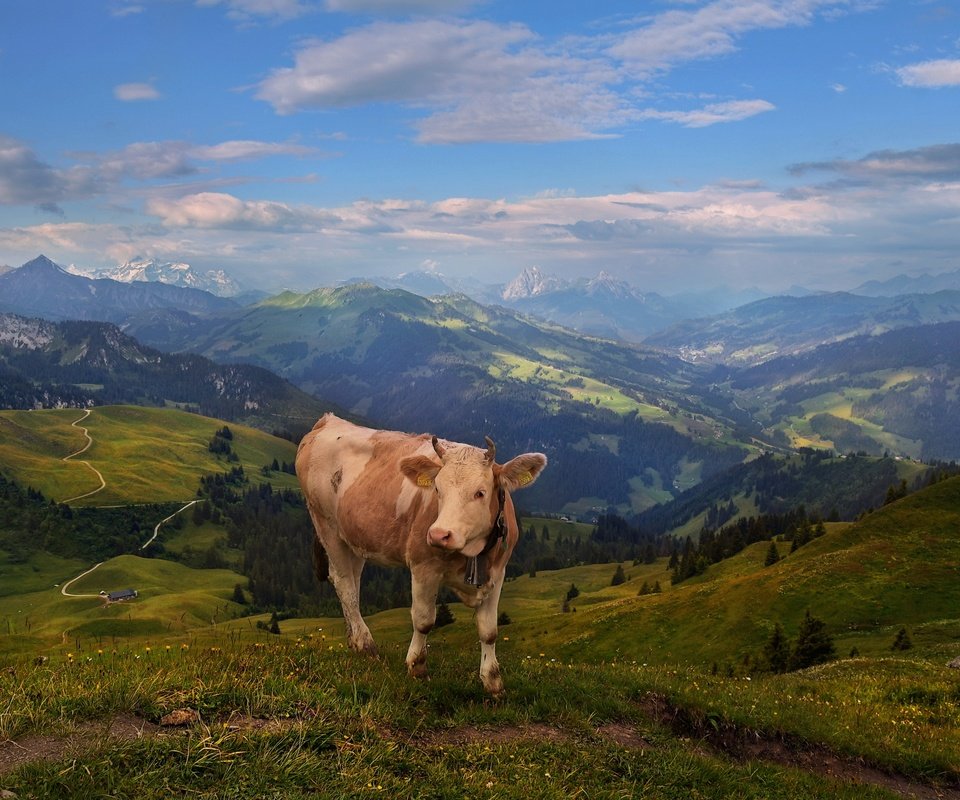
{"points": [[620, 423], [145, 455], [78, 364], [896, 567]]}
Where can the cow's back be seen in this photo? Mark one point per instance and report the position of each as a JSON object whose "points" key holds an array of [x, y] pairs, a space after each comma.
{"points": [[351, 479]]}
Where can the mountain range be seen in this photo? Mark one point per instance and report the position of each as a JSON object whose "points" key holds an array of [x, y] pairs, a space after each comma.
{"points": [[41, 288], [73, 363], [779, 326], [172, 273], [625, 425]]}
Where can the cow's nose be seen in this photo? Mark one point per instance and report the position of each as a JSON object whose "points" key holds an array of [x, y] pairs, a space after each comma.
{"points": [[439, 537]]}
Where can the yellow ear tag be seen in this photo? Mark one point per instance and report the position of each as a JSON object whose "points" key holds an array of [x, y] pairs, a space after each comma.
{"points": [[524, 478], [424, 480]]}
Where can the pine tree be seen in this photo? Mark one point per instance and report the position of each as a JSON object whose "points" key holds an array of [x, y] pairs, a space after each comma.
{"points": [[238, 596], [776, 651], [773, 555], [573, 592], [902, 641], [444, 616], [618, 576], [274, 623], [813, 644]]}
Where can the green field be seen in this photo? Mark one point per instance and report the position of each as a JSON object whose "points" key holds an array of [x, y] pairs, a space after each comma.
{"points": [[653, 695], [144, 454]]}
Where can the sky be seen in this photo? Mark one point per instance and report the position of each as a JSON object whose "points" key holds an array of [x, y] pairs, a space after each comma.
{"points": [[677, 145]]}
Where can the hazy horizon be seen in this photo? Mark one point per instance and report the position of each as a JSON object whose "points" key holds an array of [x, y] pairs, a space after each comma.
{"points": [[299, 143]]}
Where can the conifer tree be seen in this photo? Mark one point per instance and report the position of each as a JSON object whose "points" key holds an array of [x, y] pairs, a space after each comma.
{"points": [[902, 641], [813, 644], [773, 555], [776, 651], [444, 616], [619, 576]]}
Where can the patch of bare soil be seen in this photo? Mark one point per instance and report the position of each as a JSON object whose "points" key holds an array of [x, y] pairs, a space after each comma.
{"points": [[746, 745], [87, 735]]}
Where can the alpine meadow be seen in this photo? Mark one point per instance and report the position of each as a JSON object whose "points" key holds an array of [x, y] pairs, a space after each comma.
{"points": [[462, 398]]}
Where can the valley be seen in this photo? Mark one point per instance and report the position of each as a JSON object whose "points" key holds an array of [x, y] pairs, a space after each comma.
{"points": [[641, 600]]}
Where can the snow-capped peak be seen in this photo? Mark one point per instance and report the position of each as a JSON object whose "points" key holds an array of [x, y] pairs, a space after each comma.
{"points": [[175, 273], [530, 283]]}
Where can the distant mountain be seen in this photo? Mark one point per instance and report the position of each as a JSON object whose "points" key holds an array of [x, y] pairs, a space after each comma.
{"points": [[781, 326], [606, 306], [41, 288], [893, 392], [464, 370], [172, 273], [48, 364], [531, 282], [905, 284], [4, 268]]}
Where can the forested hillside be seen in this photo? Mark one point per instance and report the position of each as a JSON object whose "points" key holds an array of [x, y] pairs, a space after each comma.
{"points": [[48, 365]]}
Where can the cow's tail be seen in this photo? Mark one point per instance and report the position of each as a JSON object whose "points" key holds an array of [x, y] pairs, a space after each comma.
{"points": [[321, 566]]}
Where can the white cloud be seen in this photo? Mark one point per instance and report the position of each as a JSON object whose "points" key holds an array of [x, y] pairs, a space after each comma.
{"points": [[472, 81], [399, 6], [679, 36], [133, 92], [248, 10], [479, 81], [224, 211], [245, 149], [931, 74], [26, 180], [731, 111]]}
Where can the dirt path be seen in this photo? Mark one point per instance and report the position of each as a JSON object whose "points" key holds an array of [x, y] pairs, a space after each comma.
{"points": [[103, 484], [156, 532], [63, 589], [156, 529]]}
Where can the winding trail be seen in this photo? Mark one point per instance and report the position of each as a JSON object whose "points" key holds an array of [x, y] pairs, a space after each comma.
{"points": [[156, 529], [103, 484], [156, 532], [63, 589]]}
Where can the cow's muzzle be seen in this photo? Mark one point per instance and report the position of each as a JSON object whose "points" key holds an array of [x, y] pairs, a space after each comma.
{"points": [[440, 537]]}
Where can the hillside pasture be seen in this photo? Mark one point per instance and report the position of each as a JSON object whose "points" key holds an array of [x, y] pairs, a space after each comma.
{"points": [[144, 454]]}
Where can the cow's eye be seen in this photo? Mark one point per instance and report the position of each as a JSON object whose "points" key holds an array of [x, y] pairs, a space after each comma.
{"points": [[480, 494]]}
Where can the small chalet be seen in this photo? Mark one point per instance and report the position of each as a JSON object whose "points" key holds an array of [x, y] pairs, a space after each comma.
{"points": [[120, 595]]}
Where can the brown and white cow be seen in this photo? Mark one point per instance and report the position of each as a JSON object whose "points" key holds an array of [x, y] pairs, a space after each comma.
{"points": [[440, 508]]}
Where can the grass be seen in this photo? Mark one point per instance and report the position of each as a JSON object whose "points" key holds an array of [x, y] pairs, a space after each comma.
{"points": [[347, 726], [343, 725], [145, 454]]}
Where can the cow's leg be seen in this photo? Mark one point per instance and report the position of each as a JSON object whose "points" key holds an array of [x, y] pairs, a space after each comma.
{"points": [[345, 569], [423, 614], [487, 630]]}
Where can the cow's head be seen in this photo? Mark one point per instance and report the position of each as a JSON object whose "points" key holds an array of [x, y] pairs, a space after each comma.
{"points": [[466, 481]]}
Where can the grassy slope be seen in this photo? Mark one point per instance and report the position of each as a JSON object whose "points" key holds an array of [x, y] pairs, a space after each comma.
{"points": [[144, 454], [572, 672], [896, 567], [173, 600]]}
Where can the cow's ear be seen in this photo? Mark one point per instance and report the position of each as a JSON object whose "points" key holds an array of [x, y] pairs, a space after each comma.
{"points": [[521, 471], [421, 470]]}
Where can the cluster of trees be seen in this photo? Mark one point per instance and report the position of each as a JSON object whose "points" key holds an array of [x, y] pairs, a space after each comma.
{"points": [[221, 444], [829, 487], [812, 646], [689, 558], [30, 523]]}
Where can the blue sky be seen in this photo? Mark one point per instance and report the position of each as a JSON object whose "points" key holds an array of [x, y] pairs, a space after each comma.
{"points": [[294, 143]]}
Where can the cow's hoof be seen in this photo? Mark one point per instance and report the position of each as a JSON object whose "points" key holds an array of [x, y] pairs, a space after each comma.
{"points": [[368, 648], [419, 671]]}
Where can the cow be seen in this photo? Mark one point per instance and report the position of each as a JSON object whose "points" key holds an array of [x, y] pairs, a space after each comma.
{"points": [[440, 508]]}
